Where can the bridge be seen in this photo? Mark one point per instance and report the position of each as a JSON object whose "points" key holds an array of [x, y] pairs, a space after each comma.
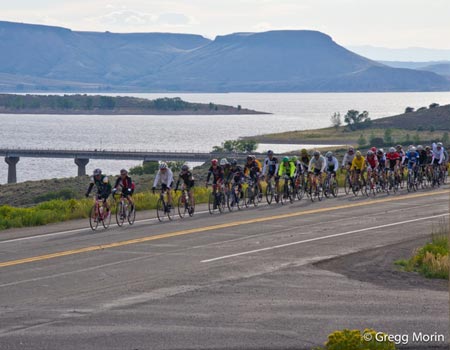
{"points": [[81, 157]]}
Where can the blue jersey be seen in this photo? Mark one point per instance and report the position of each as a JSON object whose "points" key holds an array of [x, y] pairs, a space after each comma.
{"points": [[413, 158]]}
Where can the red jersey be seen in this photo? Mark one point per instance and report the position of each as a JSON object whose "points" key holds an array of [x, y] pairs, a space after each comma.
{"points": [[372, 161]]}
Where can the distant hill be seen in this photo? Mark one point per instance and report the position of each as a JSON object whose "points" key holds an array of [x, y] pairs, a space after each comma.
{"points": [[44, 58], [108, 105], [438, 118], [412, 54], [438, 67]]}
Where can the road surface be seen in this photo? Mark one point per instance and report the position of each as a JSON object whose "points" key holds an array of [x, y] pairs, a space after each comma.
{"points": [[266, 278]]}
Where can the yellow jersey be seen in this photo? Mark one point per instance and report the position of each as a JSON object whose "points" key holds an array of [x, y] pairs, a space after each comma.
{"points": [[358, 164]]}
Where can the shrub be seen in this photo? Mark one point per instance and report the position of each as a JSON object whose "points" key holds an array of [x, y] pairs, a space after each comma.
{"points": [[355, 340]]}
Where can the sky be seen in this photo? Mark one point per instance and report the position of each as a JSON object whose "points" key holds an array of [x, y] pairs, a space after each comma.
{"points": [[382, 23]]}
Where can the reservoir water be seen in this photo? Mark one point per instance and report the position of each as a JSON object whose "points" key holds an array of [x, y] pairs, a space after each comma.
{"points": [[290, 111]]}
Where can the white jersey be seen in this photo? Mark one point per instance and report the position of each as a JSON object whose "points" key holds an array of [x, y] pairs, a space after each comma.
{"points": [[333, 162], [438, 154], [165, 178]]}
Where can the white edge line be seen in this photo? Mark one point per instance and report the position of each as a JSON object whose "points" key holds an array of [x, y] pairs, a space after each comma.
{"points": [[320, 238]]}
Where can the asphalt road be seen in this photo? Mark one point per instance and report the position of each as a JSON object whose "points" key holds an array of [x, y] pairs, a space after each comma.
{"points": [[246, 280]]}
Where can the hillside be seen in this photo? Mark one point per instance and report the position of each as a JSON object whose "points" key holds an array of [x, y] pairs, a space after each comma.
{"points": [[88, 104], [421, 126], [43, 58]]}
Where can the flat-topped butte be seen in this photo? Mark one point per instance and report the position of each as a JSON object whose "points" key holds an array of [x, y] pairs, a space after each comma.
{"points": [[109, 105]]}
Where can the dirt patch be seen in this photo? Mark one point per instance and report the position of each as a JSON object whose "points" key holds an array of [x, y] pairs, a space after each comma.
{"points": [[378, 266]]}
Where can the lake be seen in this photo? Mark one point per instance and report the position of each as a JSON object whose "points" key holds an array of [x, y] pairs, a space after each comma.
{"points": [[291, 111]]}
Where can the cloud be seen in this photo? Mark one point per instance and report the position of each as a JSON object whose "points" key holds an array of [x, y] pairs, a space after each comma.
{"points": [[131, 18]]}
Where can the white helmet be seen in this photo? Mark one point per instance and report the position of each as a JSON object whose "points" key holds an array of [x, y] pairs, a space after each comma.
{"points": [[162, 165], [224, 161], [413, 149]]}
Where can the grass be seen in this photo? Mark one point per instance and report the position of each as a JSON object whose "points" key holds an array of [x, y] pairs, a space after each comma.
{"points": [[431, 260], [58, 210]]}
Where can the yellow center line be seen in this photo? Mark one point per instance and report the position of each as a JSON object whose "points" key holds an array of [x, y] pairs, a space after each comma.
{"points": [[209, 228]]}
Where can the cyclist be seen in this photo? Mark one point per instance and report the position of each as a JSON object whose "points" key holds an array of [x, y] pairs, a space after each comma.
{"points": [[393, 161], [287, 168], [332, 163], [413, 157], [225, 164], [237, 175], [317, 166], [127, 185], [103, 186], [438, 155], [253, 169], [270, 168], [372, 166], [216, 171], [298, 165], [165, 176], [358, 167], [348, 158], [304, 159], [188, 183]]}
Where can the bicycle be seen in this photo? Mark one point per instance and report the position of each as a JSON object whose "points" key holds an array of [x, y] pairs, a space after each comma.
{"points": [[437, 176], [411, 182], [270, 191], [315, 188], [330, 186], [234, 198], [186, 203], [359, 185], [371, 184], [216, 201], [348, 182], [99, 214], [124, 211], [162, 207], [300, 186], [392, 181], [286, 194], [251, 193]]}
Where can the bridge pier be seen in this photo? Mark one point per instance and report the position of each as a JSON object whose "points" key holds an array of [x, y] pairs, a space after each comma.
{"points": [[12, 172], [81, 162]]}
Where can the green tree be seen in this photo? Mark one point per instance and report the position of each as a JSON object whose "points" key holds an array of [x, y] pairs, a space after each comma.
{"points": [[336, 120], [356, 120], [247, 146]]}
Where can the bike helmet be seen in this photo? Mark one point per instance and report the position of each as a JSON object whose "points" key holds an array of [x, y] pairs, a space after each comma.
{"points": [[304, 152], [293, 159], [351, 150], [253, 157], [358, 154], [123, 171], [270, 153], [427, 148], [374, 149], [380, 151], [439, 144], [329, 154], [249, 158], [214, 162], [420, 148], [316, 153], [413, 149], [234, 162], [392, 150], [162, 166], [224, 161], [285, 159], [370, 153], [184, 168], [398, 146], [97, 172]]}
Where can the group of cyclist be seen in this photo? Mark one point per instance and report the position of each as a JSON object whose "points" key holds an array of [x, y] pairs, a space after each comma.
{"points": [[370, 169]]}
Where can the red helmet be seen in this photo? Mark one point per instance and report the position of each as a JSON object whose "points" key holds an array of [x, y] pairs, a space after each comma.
{"points": [[374, 149], [214, 162]]}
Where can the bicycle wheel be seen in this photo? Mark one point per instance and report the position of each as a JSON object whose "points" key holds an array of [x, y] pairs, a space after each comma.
{"points": [[255, 198], [131, 214], [355, 188], [160, 212], [347, 185], [182, 207], [106, 220], [334, 187], [301, 190], [320, 192], [212, 204], [269, 193], [191, 205], [326, 188], [247, 197], [120, 214], [221, 202], [93, 218]]}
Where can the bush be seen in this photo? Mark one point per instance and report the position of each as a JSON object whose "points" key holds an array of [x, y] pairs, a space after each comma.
{"points": [[62, 194], [355, 340], [377, 142]]}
